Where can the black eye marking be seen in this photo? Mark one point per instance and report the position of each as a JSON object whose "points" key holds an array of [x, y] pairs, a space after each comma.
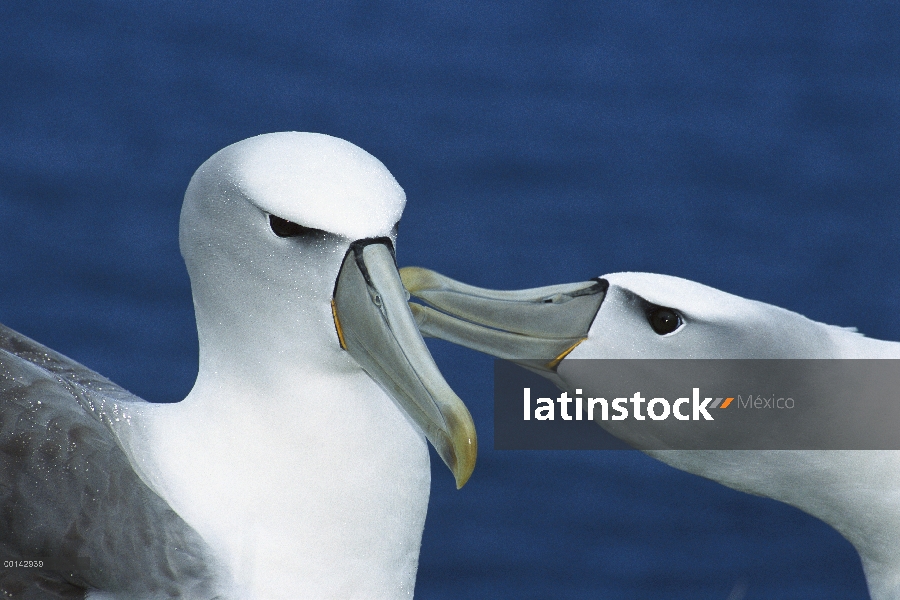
{"points": [[284, 228], [664, 320]]}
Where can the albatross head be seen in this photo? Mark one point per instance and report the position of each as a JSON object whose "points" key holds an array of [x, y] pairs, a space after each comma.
{"points": [[289, 243]]}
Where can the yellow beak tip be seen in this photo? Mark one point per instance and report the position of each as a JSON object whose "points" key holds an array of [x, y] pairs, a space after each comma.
{"points": [[463, 469], [462, 479], [416, 279]]}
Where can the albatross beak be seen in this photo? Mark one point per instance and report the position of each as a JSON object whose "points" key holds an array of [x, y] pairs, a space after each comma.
{"points": [[536, 328], [376, 327]]}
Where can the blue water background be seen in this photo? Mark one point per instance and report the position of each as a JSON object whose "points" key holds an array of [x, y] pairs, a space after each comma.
{"points": [[754, 147]]}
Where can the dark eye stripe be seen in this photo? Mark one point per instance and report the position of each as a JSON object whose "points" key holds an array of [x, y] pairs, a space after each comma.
{"points": [[284, 228]]}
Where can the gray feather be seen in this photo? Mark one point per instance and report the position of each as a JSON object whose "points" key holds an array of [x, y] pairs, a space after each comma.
{"points": [[69, 495]]}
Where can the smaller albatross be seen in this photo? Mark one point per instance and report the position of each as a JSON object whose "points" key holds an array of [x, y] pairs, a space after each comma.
{"points": [[297, 467], [643, 315]]}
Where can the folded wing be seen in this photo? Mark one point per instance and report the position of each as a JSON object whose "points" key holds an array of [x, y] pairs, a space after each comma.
{"points": [[69, 495]]}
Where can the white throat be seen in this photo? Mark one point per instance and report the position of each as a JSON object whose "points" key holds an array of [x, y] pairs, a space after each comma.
{"points": [[305, 481]]}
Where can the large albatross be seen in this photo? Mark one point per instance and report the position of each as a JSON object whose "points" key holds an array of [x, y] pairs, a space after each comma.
{"points": [[297, 467], [643, 315]]}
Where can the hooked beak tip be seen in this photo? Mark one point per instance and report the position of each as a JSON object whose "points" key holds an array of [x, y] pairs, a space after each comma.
{"points": [[416, 279], [463, 469]]}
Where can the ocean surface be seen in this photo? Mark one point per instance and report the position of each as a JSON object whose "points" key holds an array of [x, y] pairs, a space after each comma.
{"points": [[753, 147]]}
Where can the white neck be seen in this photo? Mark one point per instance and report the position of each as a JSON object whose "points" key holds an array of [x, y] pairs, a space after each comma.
{"points": [[314, 486], [303, 476], [855, 491]]}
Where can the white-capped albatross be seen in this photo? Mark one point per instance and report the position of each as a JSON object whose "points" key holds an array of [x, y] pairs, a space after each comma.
{"points": [[643, 315], [297, 467]]}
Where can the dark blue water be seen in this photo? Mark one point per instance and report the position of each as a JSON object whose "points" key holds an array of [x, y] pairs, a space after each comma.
{"points": [[754, 147]]}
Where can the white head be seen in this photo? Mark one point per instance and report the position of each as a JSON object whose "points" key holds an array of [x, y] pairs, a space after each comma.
{"points": [[289, 243], [254, 290]]}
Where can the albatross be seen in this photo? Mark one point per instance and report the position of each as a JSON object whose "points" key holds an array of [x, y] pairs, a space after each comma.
{"points": [[644, 315], [297, 466]]}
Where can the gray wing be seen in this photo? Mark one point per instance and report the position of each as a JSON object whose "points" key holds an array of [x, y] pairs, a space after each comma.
{"points": [[69, 496]]}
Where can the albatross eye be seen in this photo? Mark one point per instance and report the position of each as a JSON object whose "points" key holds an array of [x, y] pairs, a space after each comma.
{"points": [[284, 228], [664, 320]]}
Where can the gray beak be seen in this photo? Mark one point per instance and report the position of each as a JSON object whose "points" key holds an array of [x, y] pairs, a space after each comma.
{"points": [[536, 327], [376, 327]]}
